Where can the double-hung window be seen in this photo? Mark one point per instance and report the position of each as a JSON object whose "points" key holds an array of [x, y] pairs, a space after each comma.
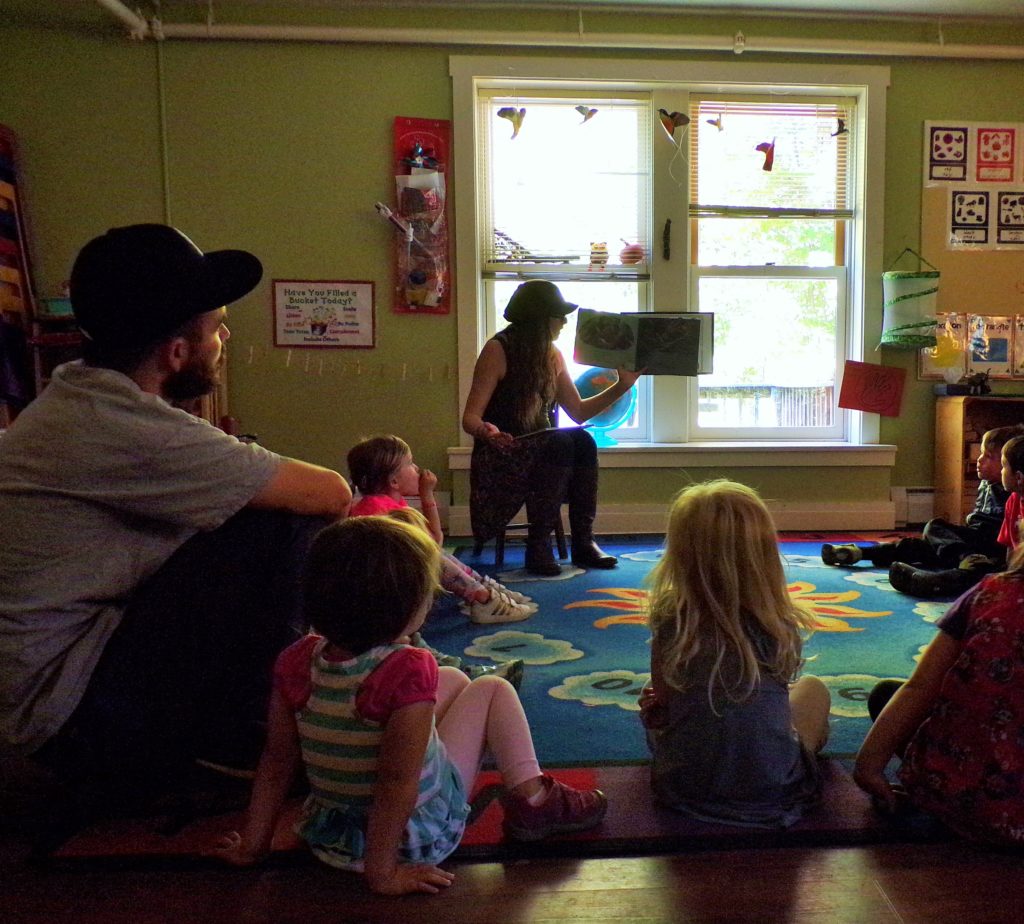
{"points": [[749, 200]]}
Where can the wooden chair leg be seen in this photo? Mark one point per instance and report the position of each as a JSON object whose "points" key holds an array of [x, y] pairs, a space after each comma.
{"points": [[499, 549], [478, 547]]}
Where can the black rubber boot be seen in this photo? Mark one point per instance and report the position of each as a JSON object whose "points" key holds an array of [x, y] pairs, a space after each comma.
{"points": [[582, 507], [543, 508], [917, 582]]}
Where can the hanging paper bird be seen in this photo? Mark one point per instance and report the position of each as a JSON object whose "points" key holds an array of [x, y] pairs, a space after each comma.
{"points": [[768, 149], [670, 121], [586, 112], [515, 116], [842, 129], [717, 122]]}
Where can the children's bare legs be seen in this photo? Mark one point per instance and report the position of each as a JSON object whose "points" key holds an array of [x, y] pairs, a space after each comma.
{"points": [[809, 704], [486, 713], [473, 716]]}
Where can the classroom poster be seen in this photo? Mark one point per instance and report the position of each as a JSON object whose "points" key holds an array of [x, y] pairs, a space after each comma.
{"points": [[981, 167], [320, 313]]}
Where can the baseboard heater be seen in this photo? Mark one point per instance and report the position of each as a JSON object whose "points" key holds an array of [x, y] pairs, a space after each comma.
{"points": [[913, 506]]}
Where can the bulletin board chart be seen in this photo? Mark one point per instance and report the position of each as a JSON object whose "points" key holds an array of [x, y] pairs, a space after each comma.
{"points": [[972, 214]]}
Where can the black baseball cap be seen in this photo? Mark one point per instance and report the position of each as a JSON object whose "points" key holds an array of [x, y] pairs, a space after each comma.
{"points": [[536, 299], [134, 286]]}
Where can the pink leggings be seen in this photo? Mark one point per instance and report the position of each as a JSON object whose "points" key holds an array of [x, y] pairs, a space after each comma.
{"points": [[475, 715]]}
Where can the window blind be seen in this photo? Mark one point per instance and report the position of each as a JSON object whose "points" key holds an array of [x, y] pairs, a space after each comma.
{"points": [[806, 143]]}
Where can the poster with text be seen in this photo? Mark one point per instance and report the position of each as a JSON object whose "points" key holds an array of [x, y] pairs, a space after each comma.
{"points": [[319, 313], [989, 345]]}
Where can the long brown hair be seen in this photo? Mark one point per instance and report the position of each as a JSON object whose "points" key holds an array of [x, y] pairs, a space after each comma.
{"points": [[530, 371]]}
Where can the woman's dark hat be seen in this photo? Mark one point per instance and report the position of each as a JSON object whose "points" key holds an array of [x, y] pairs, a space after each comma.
{"points": [[537, 299], [134, 286]]}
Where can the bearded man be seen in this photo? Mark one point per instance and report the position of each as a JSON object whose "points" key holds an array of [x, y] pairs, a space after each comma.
{"points": [[149, 562]]}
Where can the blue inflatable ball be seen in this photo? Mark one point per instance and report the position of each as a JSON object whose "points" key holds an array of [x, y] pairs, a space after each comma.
{"points": [[594, 381]]}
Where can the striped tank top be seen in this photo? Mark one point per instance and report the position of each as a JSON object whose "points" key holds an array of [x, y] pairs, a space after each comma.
{"points": [[340, 751]]}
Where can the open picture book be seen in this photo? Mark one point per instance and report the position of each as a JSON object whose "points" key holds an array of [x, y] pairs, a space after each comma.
{"points": [[660, 342]]}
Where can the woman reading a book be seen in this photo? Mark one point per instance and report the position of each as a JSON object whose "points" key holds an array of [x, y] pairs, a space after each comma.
{"points": [[518, 453]]}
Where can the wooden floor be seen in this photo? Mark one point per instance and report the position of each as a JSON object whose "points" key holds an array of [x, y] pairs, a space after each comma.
{"points": [[930, 884]]}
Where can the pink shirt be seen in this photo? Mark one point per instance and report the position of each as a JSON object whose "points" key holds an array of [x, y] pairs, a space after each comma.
{"points": [[370, 505], [405, 677]]}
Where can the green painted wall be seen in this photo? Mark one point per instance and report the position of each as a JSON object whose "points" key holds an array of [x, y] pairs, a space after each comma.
{"points": [[283, 149]]}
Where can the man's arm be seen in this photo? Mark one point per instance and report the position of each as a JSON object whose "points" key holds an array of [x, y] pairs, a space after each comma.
{"points": [[302, 487]]}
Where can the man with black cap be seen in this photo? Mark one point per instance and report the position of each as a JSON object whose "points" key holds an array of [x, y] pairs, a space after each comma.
{"points": [[149, 561]]}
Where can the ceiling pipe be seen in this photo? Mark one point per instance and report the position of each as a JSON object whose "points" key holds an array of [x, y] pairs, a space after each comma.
{"points": [[738, 44], [138, 28]]}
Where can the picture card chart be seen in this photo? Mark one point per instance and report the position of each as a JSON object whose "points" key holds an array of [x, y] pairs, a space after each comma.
{"points": [[968, 343], [981, 167]]}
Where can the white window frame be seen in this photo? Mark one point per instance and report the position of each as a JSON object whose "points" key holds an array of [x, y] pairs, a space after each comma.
{"points": [[670, 279]]}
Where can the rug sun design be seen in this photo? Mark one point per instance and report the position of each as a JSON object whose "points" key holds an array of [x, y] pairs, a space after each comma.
{"points": [[831, 614]]}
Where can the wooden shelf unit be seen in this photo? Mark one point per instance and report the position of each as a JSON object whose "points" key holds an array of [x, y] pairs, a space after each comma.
{"points": [[960, 423]]}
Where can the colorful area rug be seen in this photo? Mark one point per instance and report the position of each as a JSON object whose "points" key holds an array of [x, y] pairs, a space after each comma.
{"points": [[587, 652]]}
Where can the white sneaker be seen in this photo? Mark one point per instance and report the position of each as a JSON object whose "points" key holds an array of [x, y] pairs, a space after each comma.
{"points": [[500, 609], [513, 595]]}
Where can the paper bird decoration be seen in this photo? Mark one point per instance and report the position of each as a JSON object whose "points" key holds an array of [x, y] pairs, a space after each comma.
{"points": [[842, 129], [670, 121], [768, 149], [586, 112], [717, 121], [515, 116]]}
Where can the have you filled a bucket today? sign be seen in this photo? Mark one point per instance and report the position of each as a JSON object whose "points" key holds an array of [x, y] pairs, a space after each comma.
{"points": [[323, 313]]}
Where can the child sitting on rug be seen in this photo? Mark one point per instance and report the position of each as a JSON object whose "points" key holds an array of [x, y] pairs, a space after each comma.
{"points": [[733, 738], [958, 722], [965, 554], [383, 471], [390, 742]]}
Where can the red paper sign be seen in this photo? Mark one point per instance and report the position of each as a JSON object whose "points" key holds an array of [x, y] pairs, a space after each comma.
{"points": [[422, 154], [871, 388]]}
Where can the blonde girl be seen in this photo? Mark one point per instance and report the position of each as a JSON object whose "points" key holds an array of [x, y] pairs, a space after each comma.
{"points": [[391, 743], [733, 738]]}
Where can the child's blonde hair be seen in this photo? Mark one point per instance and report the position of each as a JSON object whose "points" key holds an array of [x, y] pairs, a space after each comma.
{"points": [[411, 516], [720, 584]]}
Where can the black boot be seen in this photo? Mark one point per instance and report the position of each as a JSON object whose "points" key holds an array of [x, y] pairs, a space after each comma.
{"points": [[543, 508], [918, 582], [582, 507]]}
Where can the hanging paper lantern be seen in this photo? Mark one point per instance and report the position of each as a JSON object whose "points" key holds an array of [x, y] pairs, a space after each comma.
{"points": [[908, 309]]}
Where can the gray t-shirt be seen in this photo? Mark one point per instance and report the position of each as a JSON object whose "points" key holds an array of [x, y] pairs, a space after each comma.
{"points": [[100, 483]]}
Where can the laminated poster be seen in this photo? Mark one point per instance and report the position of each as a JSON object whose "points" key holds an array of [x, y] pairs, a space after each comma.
{"points": [[990, 345]]}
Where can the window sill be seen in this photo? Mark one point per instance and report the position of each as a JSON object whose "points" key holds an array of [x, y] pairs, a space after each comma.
{"points": [[725, 453]]}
